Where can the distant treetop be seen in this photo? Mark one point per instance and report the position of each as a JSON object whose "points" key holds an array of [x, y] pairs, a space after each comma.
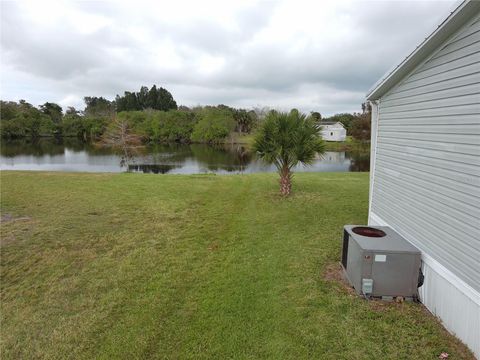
{"points": [[157, 99]]}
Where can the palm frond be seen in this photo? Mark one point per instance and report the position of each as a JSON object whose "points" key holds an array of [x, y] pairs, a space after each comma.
{"points": [[287, 139]]}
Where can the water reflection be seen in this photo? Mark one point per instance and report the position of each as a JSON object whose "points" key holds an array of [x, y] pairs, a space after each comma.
{"points": [[152, 168], [360, 161], [73, 155]]}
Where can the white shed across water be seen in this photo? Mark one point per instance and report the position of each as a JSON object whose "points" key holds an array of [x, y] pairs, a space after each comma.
{"points": [[425, 165], [333, 131]]}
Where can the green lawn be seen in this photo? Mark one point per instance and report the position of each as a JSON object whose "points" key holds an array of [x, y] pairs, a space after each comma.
{"points": [[147, 266]]}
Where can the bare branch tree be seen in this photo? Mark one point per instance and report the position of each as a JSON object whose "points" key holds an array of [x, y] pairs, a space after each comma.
{"points": [[121, 137]]}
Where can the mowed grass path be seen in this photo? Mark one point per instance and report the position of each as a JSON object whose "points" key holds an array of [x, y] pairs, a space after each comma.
{"points": [[137, 266]]}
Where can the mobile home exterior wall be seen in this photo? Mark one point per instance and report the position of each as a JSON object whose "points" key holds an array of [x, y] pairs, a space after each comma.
{"points": [[425, 174]]}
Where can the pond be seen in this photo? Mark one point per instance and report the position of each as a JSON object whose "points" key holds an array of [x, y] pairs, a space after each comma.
{"points": [[73, 155]]}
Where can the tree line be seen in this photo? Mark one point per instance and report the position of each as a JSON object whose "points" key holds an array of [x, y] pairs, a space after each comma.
{"points": [[152, 113], [209, 124], [358, 124]]}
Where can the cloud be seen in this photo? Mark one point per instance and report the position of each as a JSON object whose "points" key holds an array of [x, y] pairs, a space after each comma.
{"points": [[319, 56]]}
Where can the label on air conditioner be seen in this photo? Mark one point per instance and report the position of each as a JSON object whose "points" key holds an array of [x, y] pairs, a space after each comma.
{"points": [[380, 258]]}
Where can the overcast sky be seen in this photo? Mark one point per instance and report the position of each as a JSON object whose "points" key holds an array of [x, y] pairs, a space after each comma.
{"points": [[312, 55]]}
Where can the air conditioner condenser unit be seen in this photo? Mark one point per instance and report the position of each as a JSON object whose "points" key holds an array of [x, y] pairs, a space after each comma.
{"points": [[378, 262]]}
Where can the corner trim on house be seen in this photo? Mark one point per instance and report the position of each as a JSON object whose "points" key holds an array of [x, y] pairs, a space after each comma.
{"points": [[462, 286], [373, 149]]}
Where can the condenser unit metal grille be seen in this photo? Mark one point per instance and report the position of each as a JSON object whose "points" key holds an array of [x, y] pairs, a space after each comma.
{"points": [[345, 249]]}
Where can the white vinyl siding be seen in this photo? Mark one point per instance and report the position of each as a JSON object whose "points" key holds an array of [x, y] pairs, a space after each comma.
{"points": [[427, 166]]}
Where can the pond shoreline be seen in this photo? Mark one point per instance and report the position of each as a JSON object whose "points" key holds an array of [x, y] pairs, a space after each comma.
{"points": [[72, 155], [234, 139]]}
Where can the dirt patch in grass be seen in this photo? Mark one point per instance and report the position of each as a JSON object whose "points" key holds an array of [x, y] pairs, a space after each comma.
{"points": [[334, 273], [213, 246], [6, 218], [19, 223], [7, 239]]}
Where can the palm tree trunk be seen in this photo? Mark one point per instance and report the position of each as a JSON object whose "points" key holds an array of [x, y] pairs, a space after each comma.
{"points": [[285, 181]]}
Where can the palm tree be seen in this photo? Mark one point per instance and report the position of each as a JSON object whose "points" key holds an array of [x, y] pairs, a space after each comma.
{"points": [[287, 139]]}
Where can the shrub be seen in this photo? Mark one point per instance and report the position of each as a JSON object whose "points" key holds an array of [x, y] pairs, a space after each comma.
{"points": [[245, 120], [12, 128], [171, 126], [95, 126], [137, 121], [72, 125], [213, 125], [22, 119], [361, 128]]}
